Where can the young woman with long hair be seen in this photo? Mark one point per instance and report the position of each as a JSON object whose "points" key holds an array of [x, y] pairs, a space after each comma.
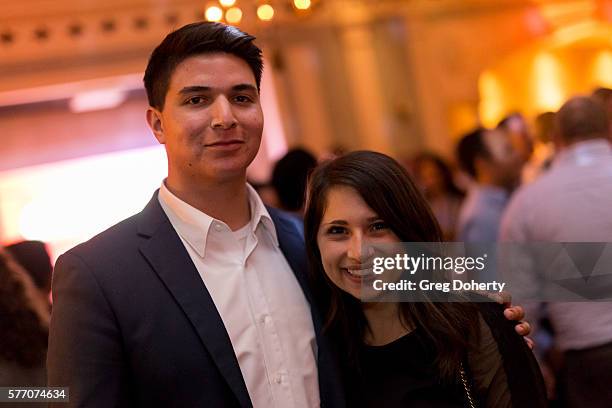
{"points": [[396, 354]]}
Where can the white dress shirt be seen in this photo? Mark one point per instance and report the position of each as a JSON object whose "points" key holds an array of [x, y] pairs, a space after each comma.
{"points": [[259, 299], [571, 202]]}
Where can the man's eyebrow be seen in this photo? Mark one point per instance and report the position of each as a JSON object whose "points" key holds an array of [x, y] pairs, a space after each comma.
{"points": [[244, 87], [194, 89], [199, 88]]}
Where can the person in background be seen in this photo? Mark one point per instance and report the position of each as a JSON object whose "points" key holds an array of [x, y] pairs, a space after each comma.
{"points": [[543, 150], [289, 177], [35, 259], [435, 179], [572, 202], [604, 96], [24, 323], [516, 127], [522, 140], [489, 158], [403, 354]]}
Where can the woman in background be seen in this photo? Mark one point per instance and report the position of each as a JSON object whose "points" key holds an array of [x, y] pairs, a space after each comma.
{"points": [[24, 326], [435, 178], [418, 354]]}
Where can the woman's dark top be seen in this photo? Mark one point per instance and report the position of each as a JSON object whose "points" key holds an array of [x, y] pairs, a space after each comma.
{"points": [[402, 374], [501, 369]]}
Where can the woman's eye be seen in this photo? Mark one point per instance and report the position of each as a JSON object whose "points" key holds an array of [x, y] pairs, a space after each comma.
{"points": [[379, 226], [335, 230]]}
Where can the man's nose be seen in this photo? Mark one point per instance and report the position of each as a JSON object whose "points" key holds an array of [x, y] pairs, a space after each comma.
{"points": [[222, 115]]}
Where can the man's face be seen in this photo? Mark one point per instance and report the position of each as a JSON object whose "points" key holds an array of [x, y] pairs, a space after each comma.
{"points": [[212, 122], [505, 160]]}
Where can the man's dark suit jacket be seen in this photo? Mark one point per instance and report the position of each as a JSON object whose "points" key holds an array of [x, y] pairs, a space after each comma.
{"points": [[134, 325]]}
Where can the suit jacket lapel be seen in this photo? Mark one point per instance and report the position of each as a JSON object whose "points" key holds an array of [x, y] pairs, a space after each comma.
{"points": [[169, 259]]}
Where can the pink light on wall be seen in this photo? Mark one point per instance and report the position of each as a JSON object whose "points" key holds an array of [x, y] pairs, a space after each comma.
{"points": [[274, 142], [68, 202], [535, 21], [97, 100]]}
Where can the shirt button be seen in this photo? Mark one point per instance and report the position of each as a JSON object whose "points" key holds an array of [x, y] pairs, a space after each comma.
{"points": [[264, 319], [218, 227], [278, 379]]}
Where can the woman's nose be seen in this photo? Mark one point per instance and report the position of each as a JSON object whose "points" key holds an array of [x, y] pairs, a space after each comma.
{"points": [[355, 247]]}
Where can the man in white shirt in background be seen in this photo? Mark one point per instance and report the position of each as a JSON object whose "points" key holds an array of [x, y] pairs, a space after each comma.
{"points": [[572, 202]]}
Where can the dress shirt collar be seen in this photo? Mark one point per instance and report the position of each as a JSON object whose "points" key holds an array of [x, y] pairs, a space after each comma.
{"points": [[194, 225], [583, 153]]}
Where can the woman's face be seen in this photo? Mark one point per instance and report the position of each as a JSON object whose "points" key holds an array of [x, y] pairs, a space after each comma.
{"points": [[347, 226]]}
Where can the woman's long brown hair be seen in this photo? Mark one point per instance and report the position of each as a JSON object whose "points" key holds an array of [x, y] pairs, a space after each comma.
{"points": [[389, 191]]}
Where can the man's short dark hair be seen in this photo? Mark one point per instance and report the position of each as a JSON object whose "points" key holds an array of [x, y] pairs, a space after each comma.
{"points": [[196, 39], [470, 147], [581, 118]]}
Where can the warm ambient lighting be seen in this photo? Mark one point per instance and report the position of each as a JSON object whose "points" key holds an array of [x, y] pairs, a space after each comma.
{"points": [[96, 100], [227, 3], [547, 82], [265, 12], [302, 4], [67, 202], [214, 13], [491, 107], [602, 69], [233, 15]]}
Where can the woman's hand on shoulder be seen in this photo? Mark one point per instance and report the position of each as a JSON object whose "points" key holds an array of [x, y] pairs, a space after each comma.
{"points": [[514, 313]]}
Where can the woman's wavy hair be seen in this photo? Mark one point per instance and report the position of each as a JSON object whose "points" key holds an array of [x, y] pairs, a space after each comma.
{"points": [[389, 191], [23, 317]]}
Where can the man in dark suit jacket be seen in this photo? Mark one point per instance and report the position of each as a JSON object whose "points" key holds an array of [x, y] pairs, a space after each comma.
{"points": [[134, 325], [138, 317], [200, 300]]}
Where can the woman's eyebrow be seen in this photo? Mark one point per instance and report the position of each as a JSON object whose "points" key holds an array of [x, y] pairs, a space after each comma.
{"points": [[341, 222]]}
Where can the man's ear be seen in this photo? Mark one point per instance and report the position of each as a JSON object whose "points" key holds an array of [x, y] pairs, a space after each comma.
{"points": [[154, 119]]}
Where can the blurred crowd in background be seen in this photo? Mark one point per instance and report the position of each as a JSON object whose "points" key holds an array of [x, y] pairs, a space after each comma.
{"points": [[470, 194]]}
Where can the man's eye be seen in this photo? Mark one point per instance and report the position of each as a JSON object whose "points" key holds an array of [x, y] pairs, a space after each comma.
{"points": [[196, 100], [243, 99]]}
